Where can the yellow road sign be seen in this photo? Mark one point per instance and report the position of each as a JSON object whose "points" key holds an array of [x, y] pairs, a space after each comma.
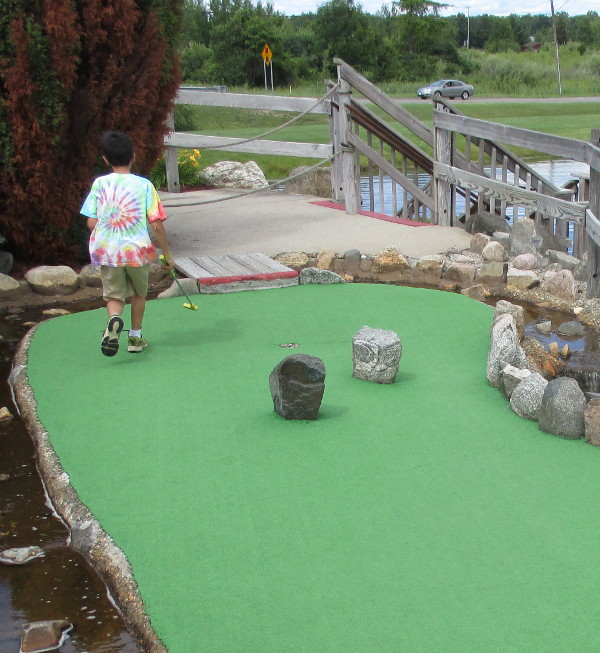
{"points": [[266, 54]]}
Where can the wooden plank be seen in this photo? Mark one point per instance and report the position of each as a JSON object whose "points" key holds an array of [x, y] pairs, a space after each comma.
{"points": [[592, 227], [251, 101], [550, 206], [280, 148], [267, 262], [191, 268], [548, 143], [212, 266], [387, 167]]}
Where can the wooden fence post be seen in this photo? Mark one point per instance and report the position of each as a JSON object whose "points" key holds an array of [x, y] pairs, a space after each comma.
{"points": [[171, 163], [349, 182], [337, 187], [442, 190], [593, 250]]}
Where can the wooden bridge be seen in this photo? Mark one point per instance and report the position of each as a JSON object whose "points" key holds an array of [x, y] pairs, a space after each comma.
{"points": [[440, 175]]}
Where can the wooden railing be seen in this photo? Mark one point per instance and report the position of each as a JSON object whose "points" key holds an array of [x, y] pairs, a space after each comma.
{"points": [[461, 158], [553, 212]]}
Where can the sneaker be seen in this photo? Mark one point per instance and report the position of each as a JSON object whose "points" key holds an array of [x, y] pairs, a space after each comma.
{"points": [[135, 345], [110, 338]]}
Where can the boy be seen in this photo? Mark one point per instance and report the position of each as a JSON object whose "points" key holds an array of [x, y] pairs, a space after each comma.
{"points": [[118, 209]]}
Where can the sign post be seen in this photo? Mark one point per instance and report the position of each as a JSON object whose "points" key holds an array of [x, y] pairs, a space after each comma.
{"points": [[267, 56]]}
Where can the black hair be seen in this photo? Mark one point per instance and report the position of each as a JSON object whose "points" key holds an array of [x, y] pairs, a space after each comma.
{"points": [[117, 147]]}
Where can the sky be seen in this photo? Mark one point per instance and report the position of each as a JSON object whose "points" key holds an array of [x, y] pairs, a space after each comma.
{"points": [[473, 7]]}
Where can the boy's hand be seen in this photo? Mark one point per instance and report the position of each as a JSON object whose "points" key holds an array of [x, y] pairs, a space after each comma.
{"points": [[167, 261]]}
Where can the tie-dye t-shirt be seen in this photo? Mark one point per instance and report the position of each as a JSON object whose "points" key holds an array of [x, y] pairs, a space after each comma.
{"points": [[122, 205]]}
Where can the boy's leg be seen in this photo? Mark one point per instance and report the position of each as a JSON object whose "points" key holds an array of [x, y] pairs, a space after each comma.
{"points": [[114, 283], [138, 279]]}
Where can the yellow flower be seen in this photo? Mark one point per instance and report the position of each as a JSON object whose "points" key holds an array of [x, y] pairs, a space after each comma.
{"points": [[197, 153]]}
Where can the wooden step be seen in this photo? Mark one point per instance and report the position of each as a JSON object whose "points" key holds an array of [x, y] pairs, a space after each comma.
{"points": [[219, 274]]}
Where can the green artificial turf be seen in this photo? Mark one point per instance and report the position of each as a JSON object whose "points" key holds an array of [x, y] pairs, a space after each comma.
{"points": [[418, 516]]}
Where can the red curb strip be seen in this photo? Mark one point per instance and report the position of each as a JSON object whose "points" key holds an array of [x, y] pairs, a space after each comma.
{"points": [[373, 214], [266, 276]]}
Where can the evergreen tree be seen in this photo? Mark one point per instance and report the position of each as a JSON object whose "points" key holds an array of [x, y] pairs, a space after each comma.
{"points": [[69, 70]]}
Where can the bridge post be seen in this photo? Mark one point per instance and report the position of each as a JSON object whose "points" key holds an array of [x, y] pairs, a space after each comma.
{"points": [[345, 153], [337, 191], [593, 250], [171, 163], [442, 190]]}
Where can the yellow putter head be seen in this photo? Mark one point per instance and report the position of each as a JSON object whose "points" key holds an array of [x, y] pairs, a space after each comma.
{"points": [[188, 304]]}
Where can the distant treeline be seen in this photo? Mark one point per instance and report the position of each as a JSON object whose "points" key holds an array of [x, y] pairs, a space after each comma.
{"points": [[405, 41]]}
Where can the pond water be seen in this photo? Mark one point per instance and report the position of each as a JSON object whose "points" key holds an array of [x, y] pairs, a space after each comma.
{"points": [[60, 585]]}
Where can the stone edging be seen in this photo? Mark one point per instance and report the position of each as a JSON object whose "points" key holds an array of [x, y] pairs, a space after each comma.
{"points": [[86, 535]]}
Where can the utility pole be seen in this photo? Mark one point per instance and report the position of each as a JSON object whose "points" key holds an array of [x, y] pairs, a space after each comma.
{"points": [[468, 26], [556, 47]]}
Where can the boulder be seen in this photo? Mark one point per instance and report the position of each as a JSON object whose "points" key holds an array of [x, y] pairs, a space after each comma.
{"points": [[479, 242], [233, 174], [297, 385], [527, 237], [310, 182], [503, 237], [494, 251], [525, 262], [40, 636], [390, 260], [560, 284], [492, 273], [572, 328], [510, 377], [461, 273], [504, 349], [521, 279], [315, 275], [476, 292], [324, 259], [544, 327], [430, 266], [565, 260], [352, 260], [376, 354], [518, 312], [591, 418], [294, 260], [90, 276], [526, 398], [6, 262], [562, 409], [486, 223], [53, 280], [9, 287]]}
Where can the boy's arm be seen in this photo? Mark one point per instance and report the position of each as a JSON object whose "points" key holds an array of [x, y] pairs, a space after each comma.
{"points": [[91, 223], [160, 234]]}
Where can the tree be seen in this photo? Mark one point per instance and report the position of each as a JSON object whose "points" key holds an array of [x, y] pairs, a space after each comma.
{"points": [[69, 70], [342, 29], [502, 37]]}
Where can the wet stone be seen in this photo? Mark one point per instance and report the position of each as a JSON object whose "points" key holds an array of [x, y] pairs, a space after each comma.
{"points": [[376, 354], [5, 413], [544, 327], [572, 328], [20, 556], [41, 636], [297, 385]]}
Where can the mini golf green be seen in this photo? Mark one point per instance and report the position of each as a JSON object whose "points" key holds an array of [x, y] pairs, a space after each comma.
{"points": [[418, 516]]}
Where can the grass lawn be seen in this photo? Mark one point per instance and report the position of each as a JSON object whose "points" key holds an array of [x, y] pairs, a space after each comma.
{"points": [[571, 120]]}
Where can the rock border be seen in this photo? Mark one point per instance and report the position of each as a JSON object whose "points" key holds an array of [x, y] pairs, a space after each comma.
{"points": [[86, 535]]}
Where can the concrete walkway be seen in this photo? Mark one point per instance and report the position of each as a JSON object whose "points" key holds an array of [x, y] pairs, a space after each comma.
{"points": [[272, 223]]}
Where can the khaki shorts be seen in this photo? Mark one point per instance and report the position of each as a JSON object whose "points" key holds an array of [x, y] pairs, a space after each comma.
{"points": [[121, 283]]}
